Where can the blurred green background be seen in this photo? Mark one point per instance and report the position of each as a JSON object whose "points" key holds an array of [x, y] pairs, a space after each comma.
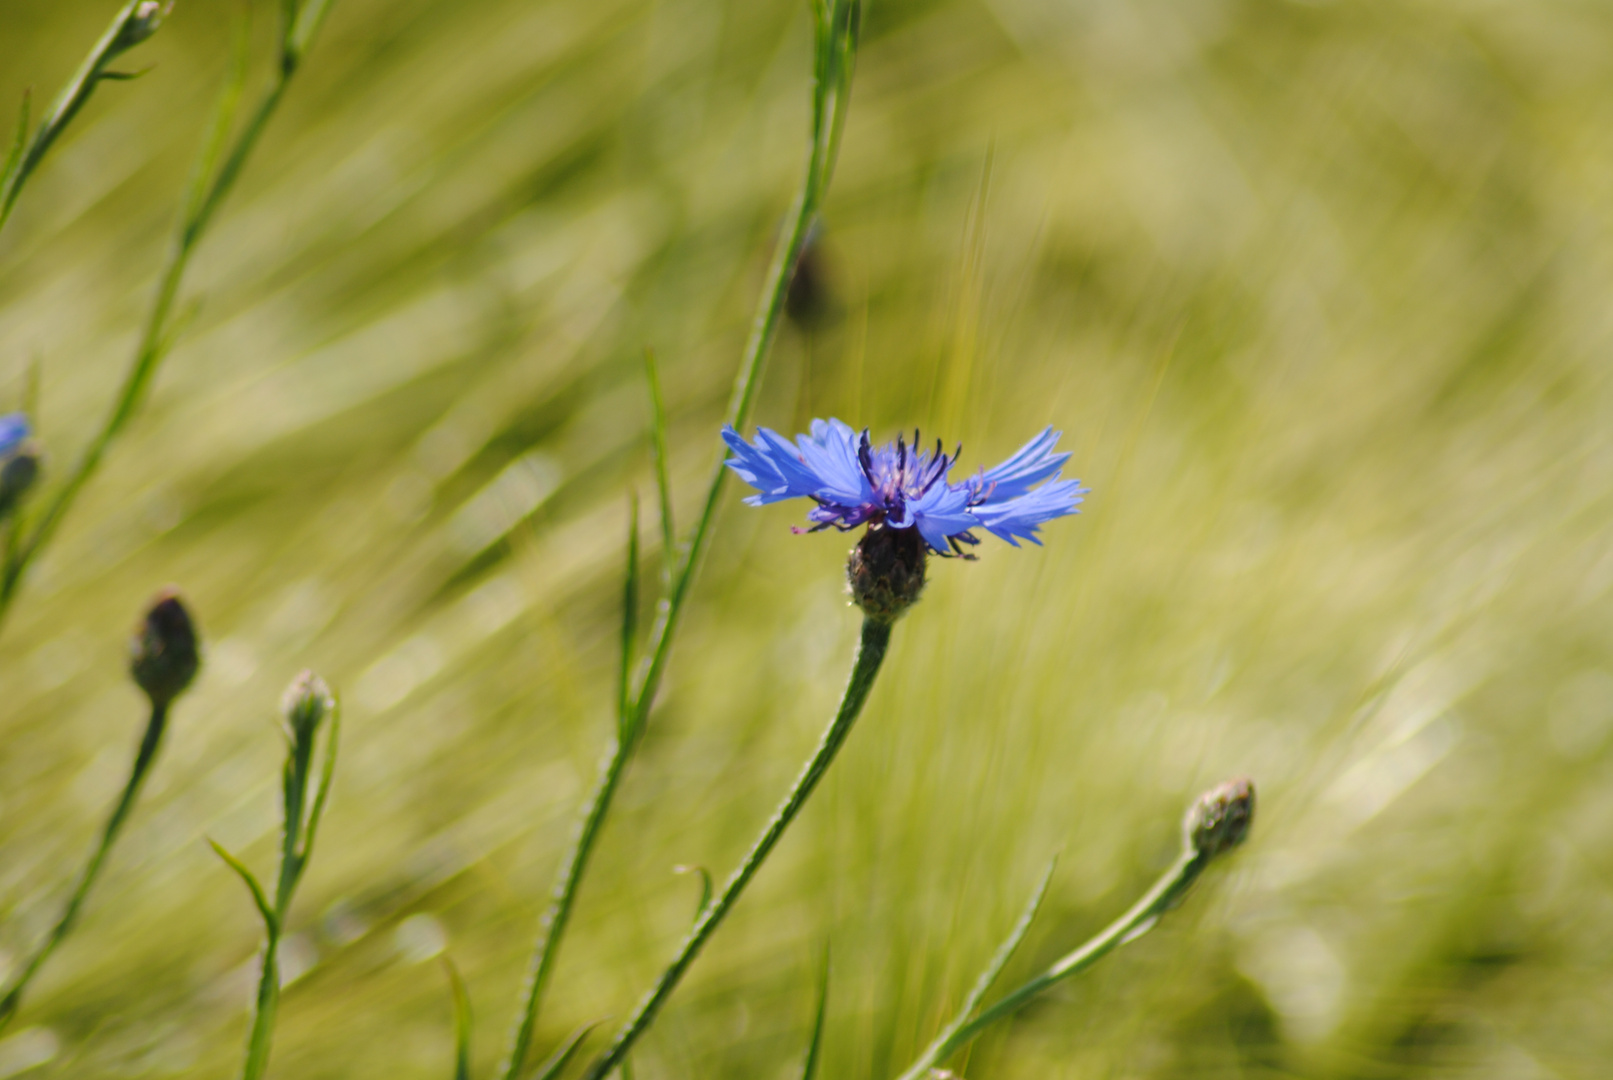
{"points": [[1318, 293]]}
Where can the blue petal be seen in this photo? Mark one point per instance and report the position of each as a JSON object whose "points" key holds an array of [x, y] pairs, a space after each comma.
{"points": [[13, 431], [942, 512], [799, 480], [752, 465], [1030, 465], [1020, 516], [770, 465], [830, 453]]}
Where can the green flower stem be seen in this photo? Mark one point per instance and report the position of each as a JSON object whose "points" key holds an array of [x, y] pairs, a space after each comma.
{"points": [[300, 828], [147, 754], [265, 1009], [125, 32], [871, 652], [209, 188], [563, 899], [835, 50], [1166, 894], [834, 62]]}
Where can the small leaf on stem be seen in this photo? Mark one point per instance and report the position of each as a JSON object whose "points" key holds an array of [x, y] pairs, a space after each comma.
{"points": [[270, 923]]}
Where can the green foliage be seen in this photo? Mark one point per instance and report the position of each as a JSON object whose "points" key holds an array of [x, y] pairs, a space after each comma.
{"points": [[814, 1054], [1317, 293], [463, 1027]]}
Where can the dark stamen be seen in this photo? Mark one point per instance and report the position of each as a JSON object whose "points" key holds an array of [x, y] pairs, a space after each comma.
{"points": [[865, 458]]}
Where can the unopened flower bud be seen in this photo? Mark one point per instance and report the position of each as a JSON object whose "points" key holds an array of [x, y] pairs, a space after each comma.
{"points": [[1219, 821], [307, 702], [142, 23], [17, 475], [162, 654], [885, 571]]}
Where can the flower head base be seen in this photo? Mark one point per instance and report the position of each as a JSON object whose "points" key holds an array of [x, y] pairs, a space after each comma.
{"points": [[885, 572], [897, 486]]}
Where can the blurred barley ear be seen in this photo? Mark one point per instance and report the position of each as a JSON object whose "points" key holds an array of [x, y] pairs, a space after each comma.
{"points": [[163, 660], [308, 707], [836, 25], [217, 168], [1218, 821]]}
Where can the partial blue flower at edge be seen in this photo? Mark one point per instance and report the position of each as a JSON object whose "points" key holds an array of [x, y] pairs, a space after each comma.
{"points": [[13, 433], [901, 486]]}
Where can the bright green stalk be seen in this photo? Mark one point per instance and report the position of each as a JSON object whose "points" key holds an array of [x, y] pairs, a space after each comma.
{"points": [[149, 744], [876, 635], [211, 184], [134, 22], [835, 52], [1167, 892], [308, 704], [999, 960], [834, 62]]}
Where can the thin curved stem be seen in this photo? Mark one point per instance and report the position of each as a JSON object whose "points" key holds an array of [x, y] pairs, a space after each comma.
{"points": [[147, 754], [563, 899], [834, 63], [128, 28], [300, 825], [835, 53], [1166, 893], [870, 653], [209, 189]]}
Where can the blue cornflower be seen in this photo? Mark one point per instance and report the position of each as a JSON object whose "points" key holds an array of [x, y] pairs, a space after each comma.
{"points": [[898, 486], [13, 432]]}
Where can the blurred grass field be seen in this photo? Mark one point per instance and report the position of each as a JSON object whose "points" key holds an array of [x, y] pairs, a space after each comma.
{"points": [[1318, 292]]}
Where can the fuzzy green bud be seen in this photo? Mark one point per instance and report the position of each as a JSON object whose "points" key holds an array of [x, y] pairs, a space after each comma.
{"points": [[141, 23], [885, 571], [307, 702], [163, 657], [1219, 821]]}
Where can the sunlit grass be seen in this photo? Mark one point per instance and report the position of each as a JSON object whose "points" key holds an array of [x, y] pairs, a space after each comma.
{"points": [[1317, 294]]}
